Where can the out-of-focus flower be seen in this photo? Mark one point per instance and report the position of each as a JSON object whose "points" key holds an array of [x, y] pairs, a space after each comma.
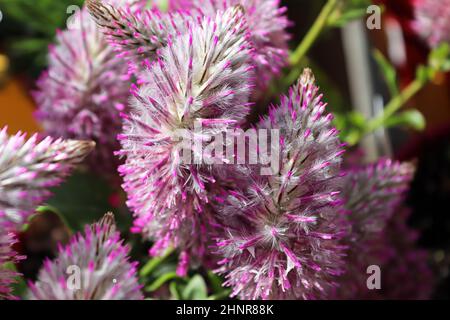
{"points": [[83, 91], [379, 235], [287, 243], [267, 24], [372, 194], [7, 255], [432, 20], [403, 261], [94, 266], [405, 268], [202, 80], [28, 168]]}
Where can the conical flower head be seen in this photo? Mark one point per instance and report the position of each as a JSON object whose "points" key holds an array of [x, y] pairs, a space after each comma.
{"points": [[267, 24], [286, 245], [432, 20], [7, 255], [137, 34], [94, 266], [83, 91], [198, 88], [28, 168]]}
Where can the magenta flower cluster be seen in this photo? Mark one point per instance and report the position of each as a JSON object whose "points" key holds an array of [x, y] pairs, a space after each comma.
{"points": [[286, 235], [137, 81]]}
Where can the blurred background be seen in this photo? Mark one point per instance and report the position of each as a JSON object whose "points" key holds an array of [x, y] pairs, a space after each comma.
{"points": [[347, 72]]}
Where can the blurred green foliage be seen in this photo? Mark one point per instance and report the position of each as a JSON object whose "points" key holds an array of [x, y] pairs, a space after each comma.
{"points": [[28, 26], [84, 198], [348, 10]]}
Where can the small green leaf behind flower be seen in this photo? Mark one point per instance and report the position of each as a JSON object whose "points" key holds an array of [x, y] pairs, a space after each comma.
{"points": [[409, 118]]}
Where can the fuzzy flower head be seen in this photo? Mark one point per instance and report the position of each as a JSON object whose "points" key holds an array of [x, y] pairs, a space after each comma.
{"points": [[372, 194], [402, 261], [432, 20], [94, 266], [267, 24], [142, 34], [286, 245], [405, 269], [137, 35], [28, 168], [202, 80], [83, 91], [7, 254]]}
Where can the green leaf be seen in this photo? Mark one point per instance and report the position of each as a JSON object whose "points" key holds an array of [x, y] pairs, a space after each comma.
{"points": [[410, 118], [346, 17], [195, 289], [389, 72], [160, 281], [153, 263], [424, 73], [215, 282], [174, 291], [352, 137], [348, 11], [439, 58], [29, 45], [163, 5], [357, 119], [83, 198]]}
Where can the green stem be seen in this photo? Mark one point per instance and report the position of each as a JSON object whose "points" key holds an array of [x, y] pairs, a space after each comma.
{"points": [[395, 104], [160, 281], [313, 33], [154, 262]]}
